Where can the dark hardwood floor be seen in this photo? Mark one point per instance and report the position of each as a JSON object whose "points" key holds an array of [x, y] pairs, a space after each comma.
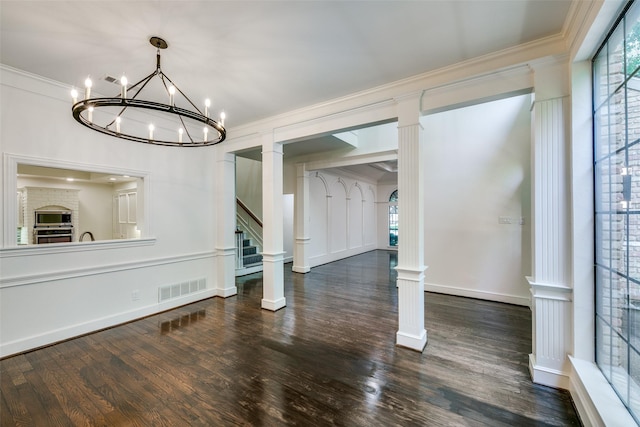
{"points": [[328, 358]]}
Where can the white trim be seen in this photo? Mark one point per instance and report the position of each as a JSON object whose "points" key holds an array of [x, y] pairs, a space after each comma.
{"points": [[547, 376], [52, 337], [274, 305], [360, 159], [595, 400], [478, 294], [413, 342], [30, 279], [335, 256], [58, 248], [11, 161]]}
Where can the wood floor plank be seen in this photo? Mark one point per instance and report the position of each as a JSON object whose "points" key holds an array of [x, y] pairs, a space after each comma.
{"points": [[328, 358]]}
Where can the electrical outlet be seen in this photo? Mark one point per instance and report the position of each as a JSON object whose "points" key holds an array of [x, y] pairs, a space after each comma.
{"points": [[135, 295]]}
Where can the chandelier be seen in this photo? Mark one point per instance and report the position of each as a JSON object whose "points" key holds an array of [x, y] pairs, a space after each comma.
{"points": [[164, 124]]}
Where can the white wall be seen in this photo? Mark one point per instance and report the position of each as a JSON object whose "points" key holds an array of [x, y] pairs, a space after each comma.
{"points": [[249, 184], [77, 290], [382, 209], [342, 216], [477, 172]]}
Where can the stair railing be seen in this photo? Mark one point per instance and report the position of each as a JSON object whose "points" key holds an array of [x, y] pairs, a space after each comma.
{"points": [[250, 224]]}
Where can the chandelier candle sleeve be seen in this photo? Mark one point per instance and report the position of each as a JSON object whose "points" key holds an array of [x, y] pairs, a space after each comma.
{"points": [[151, 128], [118, 120], [74, 95]]}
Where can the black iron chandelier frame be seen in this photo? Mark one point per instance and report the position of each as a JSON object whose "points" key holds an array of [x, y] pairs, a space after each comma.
{"points": [[125, 102]]}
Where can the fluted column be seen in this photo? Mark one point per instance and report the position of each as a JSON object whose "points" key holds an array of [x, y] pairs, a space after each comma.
{"points": [[550, 282], [411, 332], [225, 194], [272, 238], [301, 221]]}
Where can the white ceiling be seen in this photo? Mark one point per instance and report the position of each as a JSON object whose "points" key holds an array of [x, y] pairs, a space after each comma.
{"points": [[257, 59], [261, 58]]}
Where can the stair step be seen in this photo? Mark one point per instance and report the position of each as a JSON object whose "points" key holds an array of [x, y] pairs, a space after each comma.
{"points": [[249, 250], [252, 259], [246, 242]]}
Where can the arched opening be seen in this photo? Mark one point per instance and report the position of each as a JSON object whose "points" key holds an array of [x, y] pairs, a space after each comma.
{"points": [[393, 219]]}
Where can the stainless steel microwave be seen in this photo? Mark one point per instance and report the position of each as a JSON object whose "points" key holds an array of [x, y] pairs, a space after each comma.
{"points": [[52, 218]]}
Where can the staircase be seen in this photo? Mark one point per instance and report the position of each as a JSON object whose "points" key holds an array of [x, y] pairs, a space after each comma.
{"points": [[250, 255], [248, 258], [248, 240]]}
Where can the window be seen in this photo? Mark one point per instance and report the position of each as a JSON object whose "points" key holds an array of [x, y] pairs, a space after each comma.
{"points": [[616, 118], [393, 219]]}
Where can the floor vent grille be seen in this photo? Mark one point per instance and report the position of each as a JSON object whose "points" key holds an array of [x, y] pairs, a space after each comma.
{"points": [[177, 290]]}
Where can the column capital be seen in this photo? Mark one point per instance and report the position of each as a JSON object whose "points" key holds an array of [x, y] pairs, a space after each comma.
{"points": [[408, 109], [269, 145], [226, 157]]}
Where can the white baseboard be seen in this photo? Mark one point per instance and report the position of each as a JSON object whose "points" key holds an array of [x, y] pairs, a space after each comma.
{"points": [[248, 270], [478, 294], [335, 256], [62, 334], [227, 292]]}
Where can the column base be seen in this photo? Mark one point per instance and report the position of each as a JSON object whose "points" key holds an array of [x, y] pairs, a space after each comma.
{"points": [[547, 376], [413, 342], [227, 292], [274, 305], [300, 269]]}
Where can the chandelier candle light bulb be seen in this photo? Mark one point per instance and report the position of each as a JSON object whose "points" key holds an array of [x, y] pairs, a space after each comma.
{"points": [[207, 104], [124, 82], [172, 93], [87, 88], [74, 95], [90, 114], [222, 117], [151, 128]]}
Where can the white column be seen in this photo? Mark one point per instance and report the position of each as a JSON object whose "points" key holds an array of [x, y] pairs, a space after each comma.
{"points": [[272, 238], [411, 332], [550, 282], [301, 221], [225, 194]]}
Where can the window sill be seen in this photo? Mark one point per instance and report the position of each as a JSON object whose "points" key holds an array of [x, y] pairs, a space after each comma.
{"points": [[595, 399]]}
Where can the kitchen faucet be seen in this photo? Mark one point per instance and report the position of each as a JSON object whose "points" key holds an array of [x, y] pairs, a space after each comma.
{"points": [[90, 235]]}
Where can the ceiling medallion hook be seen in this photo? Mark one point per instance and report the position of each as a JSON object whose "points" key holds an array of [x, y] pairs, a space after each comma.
{"points": [[178, 127], [158, 42]]}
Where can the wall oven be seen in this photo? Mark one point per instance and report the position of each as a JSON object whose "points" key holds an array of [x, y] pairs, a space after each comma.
{"points": [[52, 235], [52, 218], [52, 226]]}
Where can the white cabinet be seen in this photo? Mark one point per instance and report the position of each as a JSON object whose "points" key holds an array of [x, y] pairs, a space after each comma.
{"points": [[127, 208], [20, 205]]}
